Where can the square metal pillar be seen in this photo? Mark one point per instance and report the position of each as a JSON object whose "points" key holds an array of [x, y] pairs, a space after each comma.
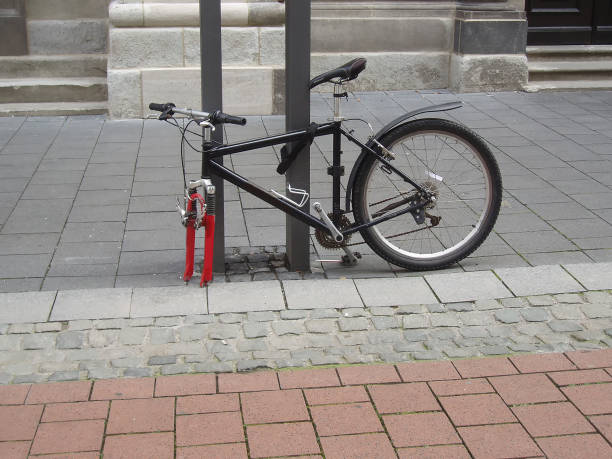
{"points": [[212, 99], [297, 109]]}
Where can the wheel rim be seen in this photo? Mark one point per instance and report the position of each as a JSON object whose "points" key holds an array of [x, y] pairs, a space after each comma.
{"points": [[447, 165]]}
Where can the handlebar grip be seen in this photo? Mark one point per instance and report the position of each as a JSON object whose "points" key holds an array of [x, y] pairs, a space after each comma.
{"points": [[220, 117], [156, 107], [162, 107]]}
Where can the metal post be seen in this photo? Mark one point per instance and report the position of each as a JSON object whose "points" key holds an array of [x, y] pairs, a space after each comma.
{"points": [[210, 48], [297, 109]]}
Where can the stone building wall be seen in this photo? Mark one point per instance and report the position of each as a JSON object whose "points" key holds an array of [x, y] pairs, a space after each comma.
{"points": [[154, 49]]}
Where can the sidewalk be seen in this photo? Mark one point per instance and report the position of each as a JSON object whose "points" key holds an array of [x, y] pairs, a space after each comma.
{"points": [[555, 405], [89, 203]]}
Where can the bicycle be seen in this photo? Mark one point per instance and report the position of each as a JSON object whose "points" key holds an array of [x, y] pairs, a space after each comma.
{"points": [[424, 193]]}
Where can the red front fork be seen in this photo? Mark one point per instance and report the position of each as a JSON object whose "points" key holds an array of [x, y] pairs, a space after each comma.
{"points": [[208, 222], [209, 244]]}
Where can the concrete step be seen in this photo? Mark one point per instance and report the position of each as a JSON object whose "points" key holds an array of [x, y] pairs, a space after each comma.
{"points": [[570, 69], [584, 52], [53, 109], [563, 85], [91, 89], [73, 65]]}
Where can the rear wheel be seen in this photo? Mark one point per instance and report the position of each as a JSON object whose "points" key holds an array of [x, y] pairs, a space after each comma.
{"points": [[453, 164]]}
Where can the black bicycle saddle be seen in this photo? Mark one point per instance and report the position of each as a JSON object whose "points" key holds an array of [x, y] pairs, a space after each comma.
{"points": [[346, 72]]}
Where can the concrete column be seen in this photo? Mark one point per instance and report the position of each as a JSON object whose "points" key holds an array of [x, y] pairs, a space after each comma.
{"points": [[13, 33], [488, 47]]}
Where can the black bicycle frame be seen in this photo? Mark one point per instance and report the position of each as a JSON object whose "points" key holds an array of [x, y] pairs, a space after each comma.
{"points": [[332, 128]]}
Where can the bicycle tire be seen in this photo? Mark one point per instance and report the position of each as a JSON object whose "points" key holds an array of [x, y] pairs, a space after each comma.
{"points": [[456, 203]]}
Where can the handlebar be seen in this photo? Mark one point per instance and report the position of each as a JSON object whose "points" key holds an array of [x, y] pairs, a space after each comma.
{"points": [[217, 117]]}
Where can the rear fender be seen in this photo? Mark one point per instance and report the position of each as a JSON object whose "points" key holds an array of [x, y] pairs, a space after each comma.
{"points": [[404, 119]]}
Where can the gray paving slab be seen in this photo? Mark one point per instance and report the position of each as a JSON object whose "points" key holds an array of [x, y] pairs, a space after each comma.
{"points": [[245, 297], [28, 244], [317, 294], [593, 276], [456, 287], [103, 303], [394, 292], [18, 266], [168, 301], [74, 282], [25, 307], [538, 280]]}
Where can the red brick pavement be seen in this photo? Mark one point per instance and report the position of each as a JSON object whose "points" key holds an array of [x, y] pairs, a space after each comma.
{"points": [[539, 405]]}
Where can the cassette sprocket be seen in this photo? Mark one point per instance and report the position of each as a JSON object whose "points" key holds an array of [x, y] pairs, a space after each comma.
{"points": [[327, 241]]}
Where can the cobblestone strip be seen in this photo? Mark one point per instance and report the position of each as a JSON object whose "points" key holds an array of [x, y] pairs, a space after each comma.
{"points": [[110, 348]]}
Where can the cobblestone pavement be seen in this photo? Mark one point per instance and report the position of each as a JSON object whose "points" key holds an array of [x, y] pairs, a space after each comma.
{"points": [[86, 202], [554, 405], [57, 350]]}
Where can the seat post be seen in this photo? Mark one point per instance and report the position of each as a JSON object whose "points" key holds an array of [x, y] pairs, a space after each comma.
{"points": [[338, 94]]}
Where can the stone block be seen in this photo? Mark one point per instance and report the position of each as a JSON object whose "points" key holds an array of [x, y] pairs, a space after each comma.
{"points": [[597, 311], [389, 70], [162, 336], [38, 341], [353, 324], [446, 319], [288, 327], [92, 304], [535, 314], [192, 332], [171, 15], [133, 336], [416, 321], [145, 47], [255, 330], [508, 316], [124, 93], [70, 340], [25, 307], [20, 329], [82, 36], [224, 332], [48, 327], [245, 297], [538, 280], [385, 322], [240, 46], [394, 292], [261, 316], [126, 14], [168, 301], [564, 326], [495, 36], [381, 35], [272, 46], [230, 318], [472, 73], [314, 294]]}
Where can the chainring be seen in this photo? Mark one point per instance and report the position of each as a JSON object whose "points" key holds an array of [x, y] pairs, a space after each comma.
{"points": [[326, 240]]}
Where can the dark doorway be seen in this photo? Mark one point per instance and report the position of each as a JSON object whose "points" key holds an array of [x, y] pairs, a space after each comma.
{"points": [[569, 22]]}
